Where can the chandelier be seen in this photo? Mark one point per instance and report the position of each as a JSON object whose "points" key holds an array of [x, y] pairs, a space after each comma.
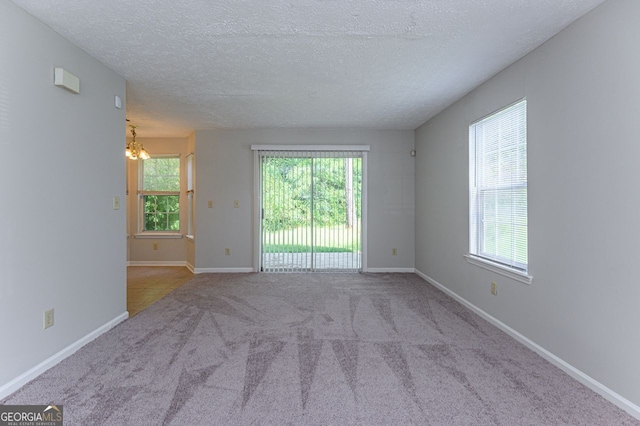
{"points": [[134, 149]]}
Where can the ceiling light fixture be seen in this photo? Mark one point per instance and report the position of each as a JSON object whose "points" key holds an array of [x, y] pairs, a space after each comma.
{"points": [[134, 149]]}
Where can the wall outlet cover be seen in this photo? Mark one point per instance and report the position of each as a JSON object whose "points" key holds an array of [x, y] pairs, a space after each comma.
{"points": [[48, 318]]}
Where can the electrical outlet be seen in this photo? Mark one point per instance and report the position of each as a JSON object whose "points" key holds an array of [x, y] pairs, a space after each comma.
{"points": [[235, 204], [394, 252], [210, 204], [227, 251], [155, 246], [494, 288], [48, 318]]}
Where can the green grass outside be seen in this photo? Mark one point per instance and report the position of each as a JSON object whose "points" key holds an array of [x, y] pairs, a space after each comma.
{"points": [[297, 248], [330, 239]]}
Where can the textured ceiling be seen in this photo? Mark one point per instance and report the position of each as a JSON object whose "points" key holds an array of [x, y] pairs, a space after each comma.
{"points": [[393, 64]]}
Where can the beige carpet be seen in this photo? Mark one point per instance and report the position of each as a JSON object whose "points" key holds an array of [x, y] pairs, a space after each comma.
{"points": [[312, 349]]}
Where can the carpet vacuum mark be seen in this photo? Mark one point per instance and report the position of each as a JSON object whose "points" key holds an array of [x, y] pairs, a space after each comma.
{"points": [[312, 349]]}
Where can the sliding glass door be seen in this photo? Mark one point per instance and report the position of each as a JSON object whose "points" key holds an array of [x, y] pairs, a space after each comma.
{"points": [[311, 210]]}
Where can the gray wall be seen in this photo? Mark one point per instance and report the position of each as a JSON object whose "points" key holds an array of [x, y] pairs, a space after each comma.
{"points": [[224, 164], [62, 245], [582, 88]]}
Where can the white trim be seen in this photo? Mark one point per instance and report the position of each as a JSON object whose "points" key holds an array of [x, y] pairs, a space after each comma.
{"points": [[498, 111], [572, 371], [190, 237], [157, 263], [191, 267], [158, 235], [15, 384], [310, 147], [389, 270], [221, 270], [499, 269]]}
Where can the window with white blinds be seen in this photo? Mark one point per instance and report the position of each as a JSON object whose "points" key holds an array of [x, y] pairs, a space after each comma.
{"points": [[498, 187]]}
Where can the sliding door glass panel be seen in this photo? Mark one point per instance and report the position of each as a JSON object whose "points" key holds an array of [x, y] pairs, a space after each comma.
{"points": [[311, 211]]}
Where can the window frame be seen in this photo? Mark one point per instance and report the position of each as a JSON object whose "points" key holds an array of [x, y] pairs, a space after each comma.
{"points": [[142, 193], [478, 256]]}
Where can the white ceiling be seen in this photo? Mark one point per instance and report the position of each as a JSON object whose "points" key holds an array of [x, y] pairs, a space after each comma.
{"points": [[232, 64]]}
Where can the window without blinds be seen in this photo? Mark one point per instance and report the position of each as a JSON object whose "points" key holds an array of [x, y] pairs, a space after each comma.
{"points": [[498, 187], [190, 195]]}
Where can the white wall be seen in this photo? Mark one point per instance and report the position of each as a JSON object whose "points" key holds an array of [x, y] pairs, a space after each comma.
{"points": [[583, 91], [169, 250], [224, 164], [61, 164]]}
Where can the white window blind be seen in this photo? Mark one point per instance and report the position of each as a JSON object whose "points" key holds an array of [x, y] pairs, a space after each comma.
{"points": [[498, 187]]}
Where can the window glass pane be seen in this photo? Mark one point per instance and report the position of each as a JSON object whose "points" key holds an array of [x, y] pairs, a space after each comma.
{"points": [[498, 188], [190, 214], [190, 172], [150, 203], [149, 221], [161, 224], [161, 213], [173, 203], [161, 174], [173, 221]]}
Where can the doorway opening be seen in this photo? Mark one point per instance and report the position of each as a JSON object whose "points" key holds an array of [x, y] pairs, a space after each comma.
{"points": [[311, 209]]}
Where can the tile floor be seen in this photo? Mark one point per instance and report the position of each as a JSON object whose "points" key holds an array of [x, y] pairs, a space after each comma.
{"points": [[147, 284]]}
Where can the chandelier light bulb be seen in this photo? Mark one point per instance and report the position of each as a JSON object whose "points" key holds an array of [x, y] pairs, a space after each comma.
{"points": [[134, 149]]}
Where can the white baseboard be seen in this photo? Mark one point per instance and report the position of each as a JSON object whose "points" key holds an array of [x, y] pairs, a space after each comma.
{"points": [[157, 263], [578, 375], [221, 270], [15, 384], [390, 270], [191, 267]]}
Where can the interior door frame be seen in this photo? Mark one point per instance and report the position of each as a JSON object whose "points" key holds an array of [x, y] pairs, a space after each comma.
{"points": [[257, 192]]}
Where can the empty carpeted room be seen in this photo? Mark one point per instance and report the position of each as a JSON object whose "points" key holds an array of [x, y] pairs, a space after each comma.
{"points": [[344, 188]]}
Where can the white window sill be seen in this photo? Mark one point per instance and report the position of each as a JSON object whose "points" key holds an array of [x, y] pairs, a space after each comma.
{"points": [[158, 235], [190, 237], [499, 269]]}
